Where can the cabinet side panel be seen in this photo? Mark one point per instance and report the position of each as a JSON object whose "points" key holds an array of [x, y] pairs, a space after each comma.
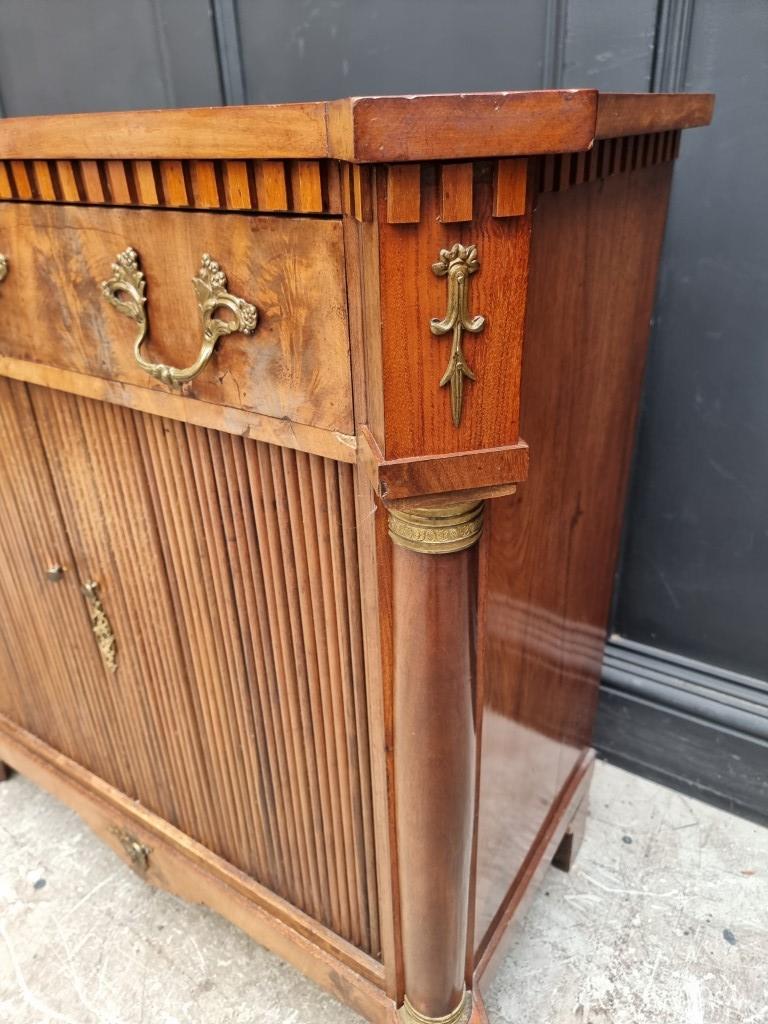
{"points": [[594, 255]]}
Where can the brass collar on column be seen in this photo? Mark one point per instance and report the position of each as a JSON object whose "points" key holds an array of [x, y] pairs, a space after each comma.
{"points": [[437, 531], [461, 1015]]}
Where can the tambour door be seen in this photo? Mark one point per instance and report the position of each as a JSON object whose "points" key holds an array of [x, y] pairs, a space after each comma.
{"points": [[226, 570], [48, 660]]}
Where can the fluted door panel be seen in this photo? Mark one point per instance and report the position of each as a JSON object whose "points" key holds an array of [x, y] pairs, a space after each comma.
{"points": [[228, 571]]}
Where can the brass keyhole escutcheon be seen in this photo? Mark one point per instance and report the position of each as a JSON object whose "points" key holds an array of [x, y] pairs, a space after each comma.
{"points": [[137, 852]]}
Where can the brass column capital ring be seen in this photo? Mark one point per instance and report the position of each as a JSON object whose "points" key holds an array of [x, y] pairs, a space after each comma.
{"points": [[437, 531], [461, 1015]]}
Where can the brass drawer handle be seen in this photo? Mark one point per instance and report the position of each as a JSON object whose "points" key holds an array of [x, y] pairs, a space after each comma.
{"points": [[3, 267], [125, 291]]}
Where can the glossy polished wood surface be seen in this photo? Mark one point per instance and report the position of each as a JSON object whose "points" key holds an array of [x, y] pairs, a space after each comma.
{"points": [[593, 271], [434, 602], [295, 366], [416, 411]]}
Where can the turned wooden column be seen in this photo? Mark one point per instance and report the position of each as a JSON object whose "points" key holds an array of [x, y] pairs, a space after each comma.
{"points": [[434, 616]]}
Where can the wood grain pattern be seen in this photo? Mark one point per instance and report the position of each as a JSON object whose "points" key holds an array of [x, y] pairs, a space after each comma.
{"points": [[237, 189], [246, 727], [549, 598], [295, 367], [6, 188], [416, 411], [22, 186], [182, 866], [632, 113], [509, 197], [43, 178], [429, 477], [306, 187], [386, 129], [471, 125], [271, 188], [94, 187], [281, 130], [314, 440], [205, 186], [456, 192], [121, 190], [433, 655], [403, 193], [258, 185], [147, 184]]}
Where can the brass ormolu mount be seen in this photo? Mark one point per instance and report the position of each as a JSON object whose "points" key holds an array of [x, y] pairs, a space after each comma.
{"points": [[137, 852], [125, 291], [457, 264], [461, 1015], [437, 531]]}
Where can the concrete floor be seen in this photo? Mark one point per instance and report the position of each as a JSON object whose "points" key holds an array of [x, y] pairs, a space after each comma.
{"points": [[664, 920]]}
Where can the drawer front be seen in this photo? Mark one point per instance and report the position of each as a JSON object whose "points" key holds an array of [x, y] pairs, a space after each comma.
{"points": [[293, 367]]}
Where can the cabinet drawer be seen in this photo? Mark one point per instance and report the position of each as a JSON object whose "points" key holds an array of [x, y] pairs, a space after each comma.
{"points": [[294, 366]]}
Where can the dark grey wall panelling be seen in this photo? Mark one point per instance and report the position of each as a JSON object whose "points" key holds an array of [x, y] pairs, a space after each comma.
{"points": [[695, 570], [297, 50], [609, 45], [60, 56]]}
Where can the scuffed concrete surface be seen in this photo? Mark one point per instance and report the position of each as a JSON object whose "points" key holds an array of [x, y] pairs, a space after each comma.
{"points": [[664, 920]]}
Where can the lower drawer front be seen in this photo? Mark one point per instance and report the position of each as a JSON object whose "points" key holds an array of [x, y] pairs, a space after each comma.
{"points": [[295, 364], [215, 673]]}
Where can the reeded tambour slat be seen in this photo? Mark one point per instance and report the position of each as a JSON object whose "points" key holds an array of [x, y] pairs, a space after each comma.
{"points": [[228, 569]]}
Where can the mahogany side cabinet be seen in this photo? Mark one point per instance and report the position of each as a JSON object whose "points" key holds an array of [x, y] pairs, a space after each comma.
{"points": [[315, 425]]}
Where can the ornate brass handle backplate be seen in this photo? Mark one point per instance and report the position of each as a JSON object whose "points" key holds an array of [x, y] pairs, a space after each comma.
{"points": [[457, 263], [125, 291], [3, 267]]}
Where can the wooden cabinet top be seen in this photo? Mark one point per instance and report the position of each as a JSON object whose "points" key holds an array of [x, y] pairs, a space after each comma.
{"points": [[368, 129]]}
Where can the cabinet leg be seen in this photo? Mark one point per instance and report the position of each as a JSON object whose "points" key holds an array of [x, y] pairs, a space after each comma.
{"points": [[570, 844], [434, 605]]}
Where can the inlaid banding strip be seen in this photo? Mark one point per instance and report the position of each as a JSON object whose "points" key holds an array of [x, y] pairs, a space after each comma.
{"points": [[606, 158], [268, 186]]}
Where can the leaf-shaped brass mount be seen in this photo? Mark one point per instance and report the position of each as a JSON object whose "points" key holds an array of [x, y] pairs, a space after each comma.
{"points": [[125, 291], [457, 263], [3, 267]]}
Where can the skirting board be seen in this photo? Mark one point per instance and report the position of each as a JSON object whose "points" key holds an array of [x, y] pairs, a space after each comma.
{"points": [[691, 726]]}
